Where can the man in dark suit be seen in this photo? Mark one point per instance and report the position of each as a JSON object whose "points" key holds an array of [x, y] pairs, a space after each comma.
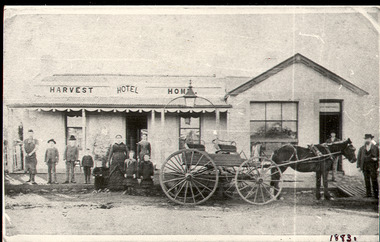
{"points": [[368, 163], [330, 140]]}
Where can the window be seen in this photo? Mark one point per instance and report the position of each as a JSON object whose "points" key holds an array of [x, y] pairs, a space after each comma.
{"points": [[74, 127], [189, 131], [273, 123]]}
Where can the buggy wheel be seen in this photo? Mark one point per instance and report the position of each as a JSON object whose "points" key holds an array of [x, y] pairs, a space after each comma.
{"points": [[189, 176], [255, 179]]}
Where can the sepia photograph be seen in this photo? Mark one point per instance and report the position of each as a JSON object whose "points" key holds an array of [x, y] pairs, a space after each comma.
{"points": [[191, 123]]}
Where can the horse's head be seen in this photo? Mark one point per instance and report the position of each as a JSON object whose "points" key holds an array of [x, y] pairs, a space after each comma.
{"points": [[349, 151]]}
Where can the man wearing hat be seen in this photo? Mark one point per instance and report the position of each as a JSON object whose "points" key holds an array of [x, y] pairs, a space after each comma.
{"points": [[30, 148], [330, 140], [70, 156], [368, 163], [51, 160]]}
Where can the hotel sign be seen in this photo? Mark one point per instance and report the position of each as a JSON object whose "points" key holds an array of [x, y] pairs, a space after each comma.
{"points": [[126, 89], [71, 89], [326, 107]]}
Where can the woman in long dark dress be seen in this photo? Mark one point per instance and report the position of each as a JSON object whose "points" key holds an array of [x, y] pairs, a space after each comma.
{"points": [[118, 154], [143, 147]]}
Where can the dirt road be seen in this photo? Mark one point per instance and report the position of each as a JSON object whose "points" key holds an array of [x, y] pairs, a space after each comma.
{"points": [[115, 213]]}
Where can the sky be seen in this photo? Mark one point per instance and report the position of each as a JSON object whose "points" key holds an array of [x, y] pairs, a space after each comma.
{"points": [[43, 42]]}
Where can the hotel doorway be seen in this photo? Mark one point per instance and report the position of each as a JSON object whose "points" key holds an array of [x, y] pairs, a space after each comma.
{"points": [[136, 125], [330, 119]]}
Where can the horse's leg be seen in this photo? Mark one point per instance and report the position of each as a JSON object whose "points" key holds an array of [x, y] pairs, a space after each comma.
{"points": [[275, 177], [325, 172], [318, 184]]}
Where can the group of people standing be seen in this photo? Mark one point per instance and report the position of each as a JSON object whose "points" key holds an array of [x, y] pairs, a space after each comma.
{"points": [[127, 169]]}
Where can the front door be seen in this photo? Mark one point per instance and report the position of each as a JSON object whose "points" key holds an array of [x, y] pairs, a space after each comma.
{"points": [[330, 120], [136, 125]]}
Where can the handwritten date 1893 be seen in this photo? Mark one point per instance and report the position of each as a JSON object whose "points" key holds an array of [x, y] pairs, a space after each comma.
{"points": [[342, 237]]}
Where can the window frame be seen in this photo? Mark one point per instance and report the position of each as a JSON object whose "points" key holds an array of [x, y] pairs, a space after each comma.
{"points": [[180, 128], [281, 121], [73, 114]]}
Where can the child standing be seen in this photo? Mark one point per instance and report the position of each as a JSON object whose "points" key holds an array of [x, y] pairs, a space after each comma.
{"points": [[87, 164], [131, 172], [51, 160], [145, 172]]}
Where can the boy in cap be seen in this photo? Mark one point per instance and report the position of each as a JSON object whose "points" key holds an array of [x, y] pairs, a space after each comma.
{"points": [[87, 164], [70, 156], [368, 163], [30, 148], [51, 160]]}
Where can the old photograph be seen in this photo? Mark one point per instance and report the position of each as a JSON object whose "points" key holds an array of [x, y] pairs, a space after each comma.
{"points": [[191, 123]]}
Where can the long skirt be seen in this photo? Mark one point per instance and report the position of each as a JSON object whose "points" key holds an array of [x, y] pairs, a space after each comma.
{"points": [[147, 183], [131, 182]]}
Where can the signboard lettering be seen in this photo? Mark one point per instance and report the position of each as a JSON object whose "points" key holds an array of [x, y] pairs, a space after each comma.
{"points": [[177, 91], [329, 107], [127, 88], [68, 89]]}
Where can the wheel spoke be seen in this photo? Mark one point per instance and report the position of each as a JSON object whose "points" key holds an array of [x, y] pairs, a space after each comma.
{"points": [[174, 179], [173, 168], [179, 163], [202, 185], [250, 192], [200, 172], [183, 158], [192, 157], [187, 185], [193, 183], [176, 185], [242, 188], [271, 186], [257, 191], [262, 194], [231, 186], [204, 179], [173, 174], [197, 162], [192, 192], [275, 172], [180, 190], [268, 192]]}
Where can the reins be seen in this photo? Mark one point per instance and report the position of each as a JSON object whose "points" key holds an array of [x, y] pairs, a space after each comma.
{"points": [[319, 156]]}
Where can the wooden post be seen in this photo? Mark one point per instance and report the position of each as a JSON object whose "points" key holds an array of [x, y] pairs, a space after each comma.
{"points": [[162, 135], [84, 130], [152, 135], [10, 142], [217, 121]]}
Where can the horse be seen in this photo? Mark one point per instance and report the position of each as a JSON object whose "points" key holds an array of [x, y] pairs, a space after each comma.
{"points": [[317, 158]]}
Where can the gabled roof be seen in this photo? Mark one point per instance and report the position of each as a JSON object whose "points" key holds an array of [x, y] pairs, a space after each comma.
{"points": [[297, 58]]}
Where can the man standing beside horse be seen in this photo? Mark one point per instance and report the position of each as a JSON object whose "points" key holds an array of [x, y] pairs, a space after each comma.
{"points": [[331, 140], [368, 163]]}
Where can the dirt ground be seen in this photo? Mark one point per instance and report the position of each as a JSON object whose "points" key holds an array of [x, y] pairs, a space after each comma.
{"points": [[117, 214]]}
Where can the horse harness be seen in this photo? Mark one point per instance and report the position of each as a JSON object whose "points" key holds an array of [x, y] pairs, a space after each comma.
{"points": [[318, 154]]}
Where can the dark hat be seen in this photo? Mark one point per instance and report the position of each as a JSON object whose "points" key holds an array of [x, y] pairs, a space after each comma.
{"points": [[52, 140], [72, 137], [30, 130], [368, 136]]}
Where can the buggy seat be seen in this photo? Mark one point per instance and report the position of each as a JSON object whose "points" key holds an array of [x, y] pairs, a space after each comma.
{"points": [[226, 149], [199, 147]]}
